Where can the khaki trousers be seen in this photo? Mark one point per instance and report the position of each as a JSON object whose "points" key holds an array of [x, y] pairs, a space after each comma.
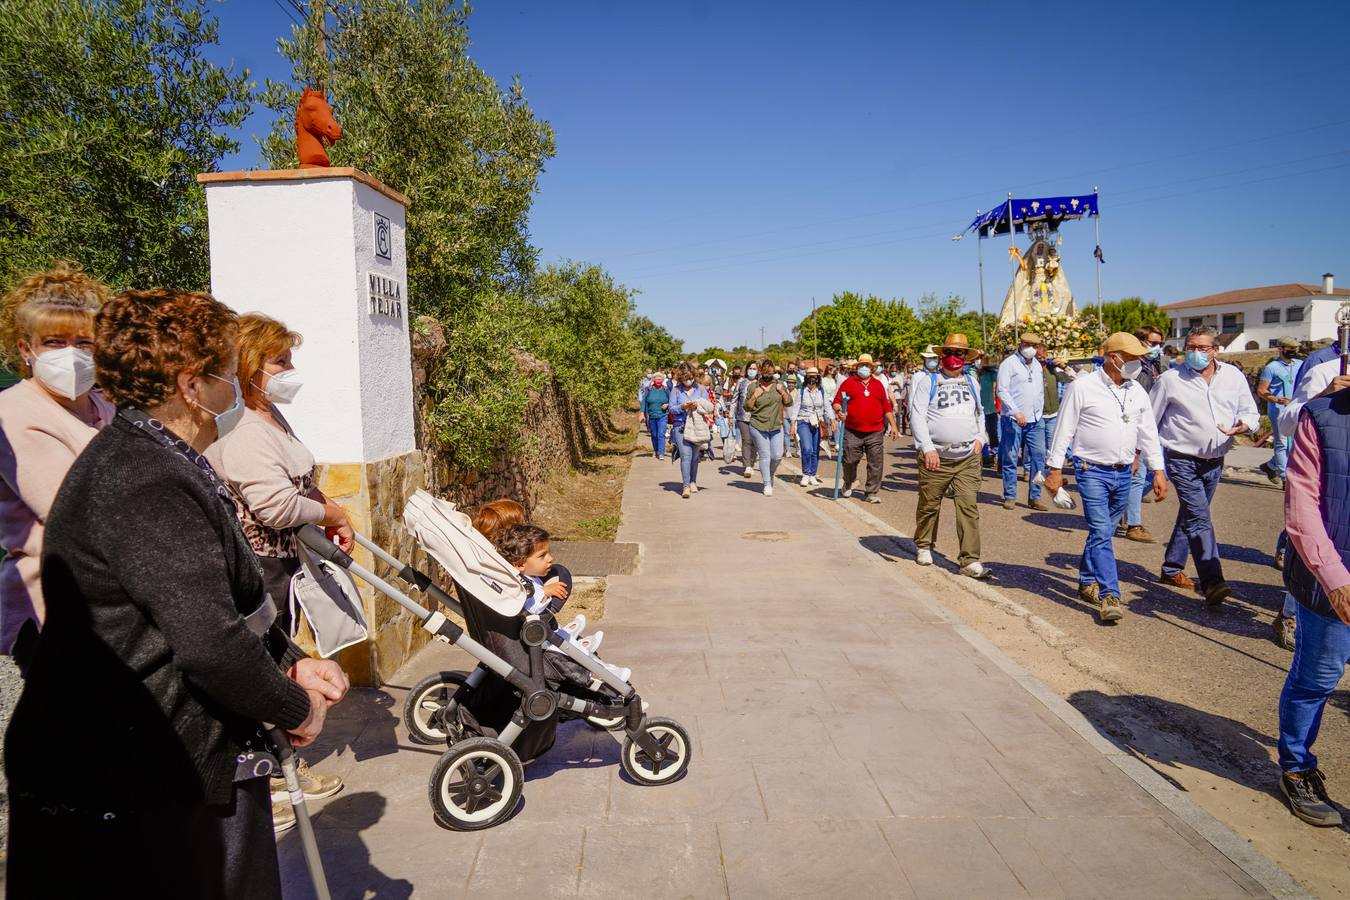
{"points": [[963, 475]]}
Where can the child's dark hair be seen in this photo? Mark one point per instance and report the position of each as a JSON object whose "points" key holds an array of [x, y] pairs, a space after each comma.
{"points": [[517, 542]]}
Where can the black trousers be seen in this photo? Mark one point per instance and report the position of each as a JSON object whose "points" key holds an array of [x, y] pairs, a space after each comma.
{"points": [[277, 572], [201, 852]]}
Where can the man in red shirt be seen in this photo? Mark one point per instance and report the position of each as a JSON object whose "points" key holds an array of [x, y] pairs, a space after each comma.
{"points": [[870, 414]]}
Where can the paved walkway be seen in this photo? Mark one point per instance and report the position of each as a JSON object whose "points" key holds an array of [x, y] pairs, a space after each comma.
{"points": [[852, 740]]}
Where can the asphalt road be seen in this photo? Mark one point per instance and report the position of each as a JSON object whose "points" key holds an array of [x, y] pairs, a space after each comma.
{"points": [[1211, 677]]}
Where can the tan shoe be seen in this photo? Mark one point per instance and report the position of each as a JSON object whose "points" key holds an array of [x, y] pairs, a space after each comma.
{"points": [[1038, 504], [1009, 504], [1141, 534], [1110, 610], [1088, 592], [685, 493], [283, 816]]}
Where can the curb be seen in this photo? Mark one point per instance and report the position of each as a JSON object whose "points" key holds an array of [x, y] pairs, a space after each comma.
{"points": [[1237, 850]]}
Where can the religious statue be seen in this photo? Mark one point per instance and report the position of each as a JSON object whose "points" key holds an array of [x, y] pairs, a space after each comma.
{"points": [[1039, 287], [314, 125]]}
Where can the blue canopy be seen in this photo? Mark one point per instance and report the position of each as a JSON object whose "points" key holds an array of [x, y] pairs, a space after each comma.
{"points": [[1038, 209]]}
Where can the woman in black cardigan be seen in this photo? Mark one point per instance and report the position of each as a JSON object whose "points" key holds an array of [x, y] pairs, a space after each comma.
{"points": [[134, 754]]}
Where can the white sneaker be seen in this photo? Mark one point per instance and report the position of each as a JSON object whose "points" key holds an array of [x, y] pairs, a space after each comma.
{"points": [[975, 570], [591, 643], [622, 674], [693, 488], [924, 557], [768, 490], [848, 492], [748, 472], [575, 627]]}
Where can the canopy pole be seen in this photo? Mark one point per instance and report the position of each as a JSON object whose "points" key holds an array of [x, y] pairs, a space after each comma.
{"points": [[1097, 221], [979, 250], [1012, 255]]}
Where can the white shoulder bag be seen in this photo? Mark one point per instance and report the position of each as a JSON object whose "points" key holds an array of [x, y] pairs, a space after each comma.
{"points": [[331, 603]]}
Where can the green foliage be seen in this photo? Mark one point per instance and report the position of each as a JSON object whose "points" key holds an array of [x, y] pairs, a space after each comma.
{"points": [[420, 115], [659, 347], [1132, 313], [582, 318], [108, 110], [888, 329]]}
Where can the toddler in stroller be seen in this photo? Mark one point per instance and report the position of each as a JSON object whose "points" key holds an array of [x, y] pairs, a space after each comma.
{"points": [[507, 709]]}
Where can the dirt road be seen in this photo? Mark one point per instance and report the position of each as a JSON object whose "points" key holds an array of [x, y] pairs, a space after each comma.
{"points": [[1192, 691]]}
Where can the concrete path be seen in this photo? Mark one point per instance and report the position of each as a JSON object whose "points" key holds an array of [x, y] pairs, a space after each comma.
{"points": [[852, 739]]}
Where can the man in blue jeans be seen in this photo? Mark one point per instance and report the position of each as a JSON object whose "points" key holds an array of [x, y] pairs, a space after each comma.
{"points": [[1021, 395], [1317, 575], [1107, 418], [1275, 388], [1199, 406]]}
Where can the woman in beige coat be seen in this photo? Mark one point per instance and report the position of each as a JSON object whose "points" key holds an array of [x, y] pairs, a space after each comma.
{"points": [[47, 336]]}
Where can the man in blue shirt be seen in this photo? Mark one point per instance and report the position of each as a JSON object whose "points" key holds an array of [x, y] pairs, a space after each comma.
{"points": [[1276, 387], [1021, 397]]}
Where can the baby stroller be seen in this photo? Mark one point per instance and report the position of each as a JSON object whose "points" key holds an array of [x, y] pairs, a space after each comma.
{"points": [[508, 708]]}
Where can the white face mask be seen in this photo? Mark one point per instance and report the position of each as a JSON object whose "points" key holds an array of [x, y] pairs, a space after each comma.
{"points": [[752, 374], [226, 420], [1028, 352], [68, 371], [864, 371], [283, 386], [1131, 369]]}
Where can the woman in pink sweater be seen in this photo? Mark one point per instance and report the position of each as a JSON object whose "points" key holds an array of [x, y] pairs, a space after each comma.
{"points": [[47, 335]]}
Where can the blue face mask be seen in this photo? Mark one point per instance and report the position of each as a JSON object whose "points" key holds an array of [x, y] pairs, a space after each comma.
{"points": [[1197, 360], [1154, 352], [930, 364]]}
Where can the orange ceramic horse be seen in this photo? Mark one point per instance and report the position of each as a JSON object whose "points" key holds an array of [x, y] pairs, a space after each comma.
{"points": [[314, 124]]}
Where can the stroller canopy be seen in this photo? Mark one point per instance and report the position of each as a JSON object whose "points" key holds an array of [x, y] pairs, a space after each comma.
{"points": [[450, 538]]}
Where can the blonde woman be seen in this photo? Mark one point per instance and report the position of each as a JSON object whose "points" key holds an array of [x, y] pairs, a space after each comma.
{"points": [[270, 476], [47, 329]]}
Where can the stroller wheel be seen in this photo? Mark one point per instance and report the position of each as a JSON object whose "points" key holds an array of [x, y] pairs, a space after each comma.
{"points": [[424, 702], [675, 746], [476, 784]]}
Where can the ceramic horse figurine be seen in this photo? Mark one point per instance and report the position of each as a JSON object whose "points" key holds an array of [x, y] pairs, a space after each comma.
{"points": [[314, 124]]}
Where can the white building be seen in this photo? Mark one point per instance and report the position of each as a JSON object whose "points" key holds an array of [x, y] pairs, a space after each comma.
{"points": [[1255, 318]]}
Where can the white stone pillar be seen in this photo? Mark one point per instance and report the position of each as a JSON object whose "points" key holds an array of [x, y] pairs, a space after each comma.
{"points": [[323, 250]]}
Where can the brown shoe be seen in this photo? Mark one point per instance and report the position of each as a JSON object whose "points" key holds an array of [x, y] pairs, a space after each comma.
{"points": [[1088, 592], [1179, 580], [1038, 504], [1110, 610], [1009, 504], [1141, 534]]}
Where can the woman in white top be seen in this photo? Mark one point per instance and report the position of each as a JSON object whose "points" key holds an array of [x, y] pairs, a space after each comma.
{"points": [[47, 329], [269, 472]]}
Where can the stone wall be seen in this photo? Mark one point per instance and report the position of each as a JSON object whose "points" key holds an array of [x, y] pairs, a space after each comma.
{"points": [[561, 435]]}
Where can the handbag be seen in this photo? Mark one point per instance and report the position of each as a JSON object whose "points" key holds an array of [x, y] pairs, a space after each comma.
{"points": [[330, 602]]}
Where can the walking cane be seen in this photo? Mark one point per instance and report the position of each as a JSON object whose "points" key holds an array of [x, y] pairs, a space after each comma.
{"points": [[839, 444], [286, 756]]}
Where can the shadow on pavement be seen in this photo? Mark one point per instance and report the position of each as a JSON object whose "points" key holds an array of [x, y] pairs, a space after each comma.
{"points": [[346, 858], [363, 723]]}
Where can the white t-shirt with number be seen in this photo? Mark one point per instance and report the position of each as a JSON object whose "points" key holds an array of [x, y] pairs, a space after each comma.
{"points": [[952, 422]]}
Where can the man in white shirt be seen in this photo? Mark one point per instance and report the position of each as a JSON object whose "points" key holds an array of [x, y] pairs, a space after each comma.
{"points": [[1107, 418], [948, 422], [1199, 406], [1021, 395]]}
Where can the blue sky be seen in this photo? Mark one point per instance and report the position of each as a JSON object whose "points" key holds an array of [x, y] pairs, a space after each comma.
{"points": [[731, 160]]}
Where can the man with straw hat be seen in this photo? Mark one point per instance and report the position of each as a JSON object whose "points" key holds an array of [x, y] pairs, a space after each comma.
{"points": [[1021, 394], [1107, 417], [948, 421]]}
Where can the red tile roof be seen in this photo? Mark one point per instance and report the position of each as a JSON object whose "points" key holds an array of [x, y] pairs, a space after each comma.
{"points": [[1252, 295]]}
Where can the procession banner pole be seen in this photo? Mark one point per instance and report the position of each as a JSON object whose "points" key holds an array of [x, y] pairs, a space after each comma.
{"points": [[815, 335], [1012, 255], [1097, 254], [979, 252]]}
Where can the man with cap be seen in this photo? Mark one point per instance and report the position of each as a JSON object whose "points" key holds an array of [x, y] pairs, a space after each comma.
{"points": [[869, 416], [1199, 408], [1021, 395], [1107, 418], [948, 421], [1275, 388]]}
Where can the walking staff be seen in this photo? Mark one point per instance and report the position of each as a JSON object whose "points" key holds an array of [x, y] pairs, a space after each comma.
{"points": [[1107, 418]]}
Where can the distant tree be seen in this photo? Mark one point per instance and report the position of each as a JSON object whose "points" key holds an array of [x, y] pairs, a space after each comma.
{"points": [[1132, 313], [852, 324], [941, 317], [659, 347], [713, 353], [108, 110]]}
